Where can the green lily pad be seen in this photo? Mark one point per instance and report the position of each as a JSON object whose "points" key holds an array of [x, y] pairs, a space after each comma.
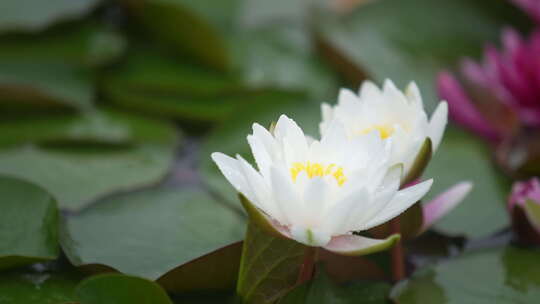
{"points": [[411, 40], [120, 289], [282, 57], [199, 26], [35, 15], [217, 270], [149, 233], [28, 224], [461, 157], [508, 275], [322, 290], [32, 287], [86, 43], [97, 126], [29, 86], [77, 175]]}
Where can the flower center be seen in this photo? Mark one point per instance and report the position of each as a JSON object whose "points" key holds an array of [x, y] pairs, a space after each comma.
{"points": [[385, 131], [317, 169]]}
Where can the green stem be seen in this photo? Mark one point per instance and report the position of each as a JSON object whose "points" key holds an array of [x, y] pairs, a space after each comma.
{"points": [[398, 261], [307, 269]]}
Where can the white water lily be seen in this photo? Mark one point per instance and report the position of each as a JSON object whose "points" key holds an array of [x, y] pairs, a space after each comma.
{"points": [[318, 192], [391, 114]]}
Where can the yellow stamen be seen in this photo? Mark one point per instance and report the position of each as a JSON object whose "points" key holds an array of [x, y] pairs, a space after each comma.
{"points": [[385, 131], [316, 169]]}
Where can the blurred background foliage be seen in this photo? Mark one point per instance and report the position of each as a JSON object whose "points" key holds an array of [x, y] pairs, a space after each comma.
{"points": [[109, 111]]}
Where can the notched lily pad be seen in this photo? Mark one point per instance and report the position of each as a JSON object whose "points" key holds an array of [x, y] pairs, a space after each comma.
{"points": [[28, 224], [120, 289], [504, 275], [149, 233]]}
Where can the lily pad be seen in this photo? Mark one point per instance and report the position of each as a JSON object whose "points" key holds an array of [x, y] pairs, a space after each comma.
{"points": [[148, 233], [322, 290], [120, 289], [31, 287], [217, 270], [91, 127], [35, 15], [29, 86], [462, 157], [199, 26], [411, 40], [507, 275], [77, 175], [28, 224], [86, 43]]}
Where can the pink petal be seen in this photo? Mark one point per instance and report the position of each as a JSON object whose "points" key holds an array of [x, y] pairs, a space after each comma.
{"points": [[461, 108], [354, 245], [444, 202]]}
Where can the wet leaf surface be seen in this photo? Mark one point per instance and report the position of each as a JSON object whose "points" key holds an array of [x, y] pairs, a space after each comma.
{"points": [[28, 224]]}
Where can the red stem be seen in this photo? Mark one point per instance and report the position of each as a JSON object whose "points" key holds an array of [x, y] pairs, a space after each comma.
{"points": [[398, 262], [307, 270]]}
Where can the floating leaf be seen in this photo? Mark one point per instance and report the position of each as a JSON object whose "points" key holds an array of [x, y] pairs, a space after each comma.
{"points": [[92, 127], [29, 86], [217, 270], [35, 15], [28, 224], [490, 276], [77, 175], [120, 289], [462, 157], [149, 233], [322, 290], [413, 39], [87, 43], [199, 26], [38, 287]]}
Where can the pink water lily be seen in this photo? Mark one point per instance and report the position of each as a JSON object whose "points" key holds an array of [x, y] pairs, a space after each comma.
{"points": [[532, 7], [502, 93], [524, 207]]}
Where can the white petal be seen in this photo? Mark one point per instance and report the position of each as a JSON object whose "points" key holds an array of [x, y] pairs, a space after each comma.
{"points": [[287, 199], [413, 95], [315, 197], [369, 90], [261, 154], [347, 211], [402, 201], [437, 124], [346, 98], [261, 190], [230, 168], [380, 199], [327, 113]]}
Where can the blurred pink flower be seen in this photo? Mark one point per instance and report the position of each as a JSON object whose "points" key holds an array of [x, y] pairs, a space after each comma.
{"points": [[532, 7], [500, 94], [524, 207]]}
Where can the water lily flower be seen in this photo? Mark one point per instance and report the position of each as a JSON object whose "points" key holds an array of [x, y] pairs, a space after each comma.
{"points": [[391, 114], [532, 7], [507, 83], [318, 192], [499, 99], [524, 207]]}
